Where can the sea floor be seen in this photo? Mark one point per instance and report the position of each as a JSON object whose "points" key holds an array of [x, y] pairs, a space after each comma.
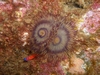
{"points": [[15, 23]]}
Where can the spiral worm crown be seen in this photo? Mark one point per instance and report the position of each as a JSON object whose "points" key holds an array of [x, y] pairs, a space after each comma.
{"points": [[55, 32]]}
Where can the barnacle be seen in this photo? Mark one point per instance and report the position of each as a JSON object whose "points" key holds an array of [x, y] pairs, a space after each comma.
{"points": [[52, 36]]}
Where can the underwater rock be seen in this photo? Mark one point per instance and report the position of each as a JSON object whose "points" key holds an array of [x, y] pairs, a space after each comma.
{"points": [[52, 36]]}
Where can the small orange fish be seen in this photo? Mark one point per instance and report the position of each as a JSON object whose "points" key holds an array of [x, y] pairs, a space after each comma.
{"points": [[30, 57]]}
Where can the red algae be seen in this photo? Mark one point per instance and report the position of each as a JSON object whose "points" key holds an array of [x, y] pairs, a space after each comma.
{"points": [[51, 29]]}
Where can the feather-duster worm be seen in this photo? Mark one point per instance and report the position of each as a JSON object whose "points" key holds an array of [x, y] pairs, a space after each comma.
{"points": [[52, 36]]}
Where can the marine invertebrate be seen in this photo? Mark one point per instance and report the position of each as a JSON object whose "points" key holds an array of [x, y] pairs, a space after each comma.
{"points": [[52, 36], [30, 57], [73, 68], [4, 6], [77, 66], [96, 4], [59, 41], [42, 31], [91, 21]]}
